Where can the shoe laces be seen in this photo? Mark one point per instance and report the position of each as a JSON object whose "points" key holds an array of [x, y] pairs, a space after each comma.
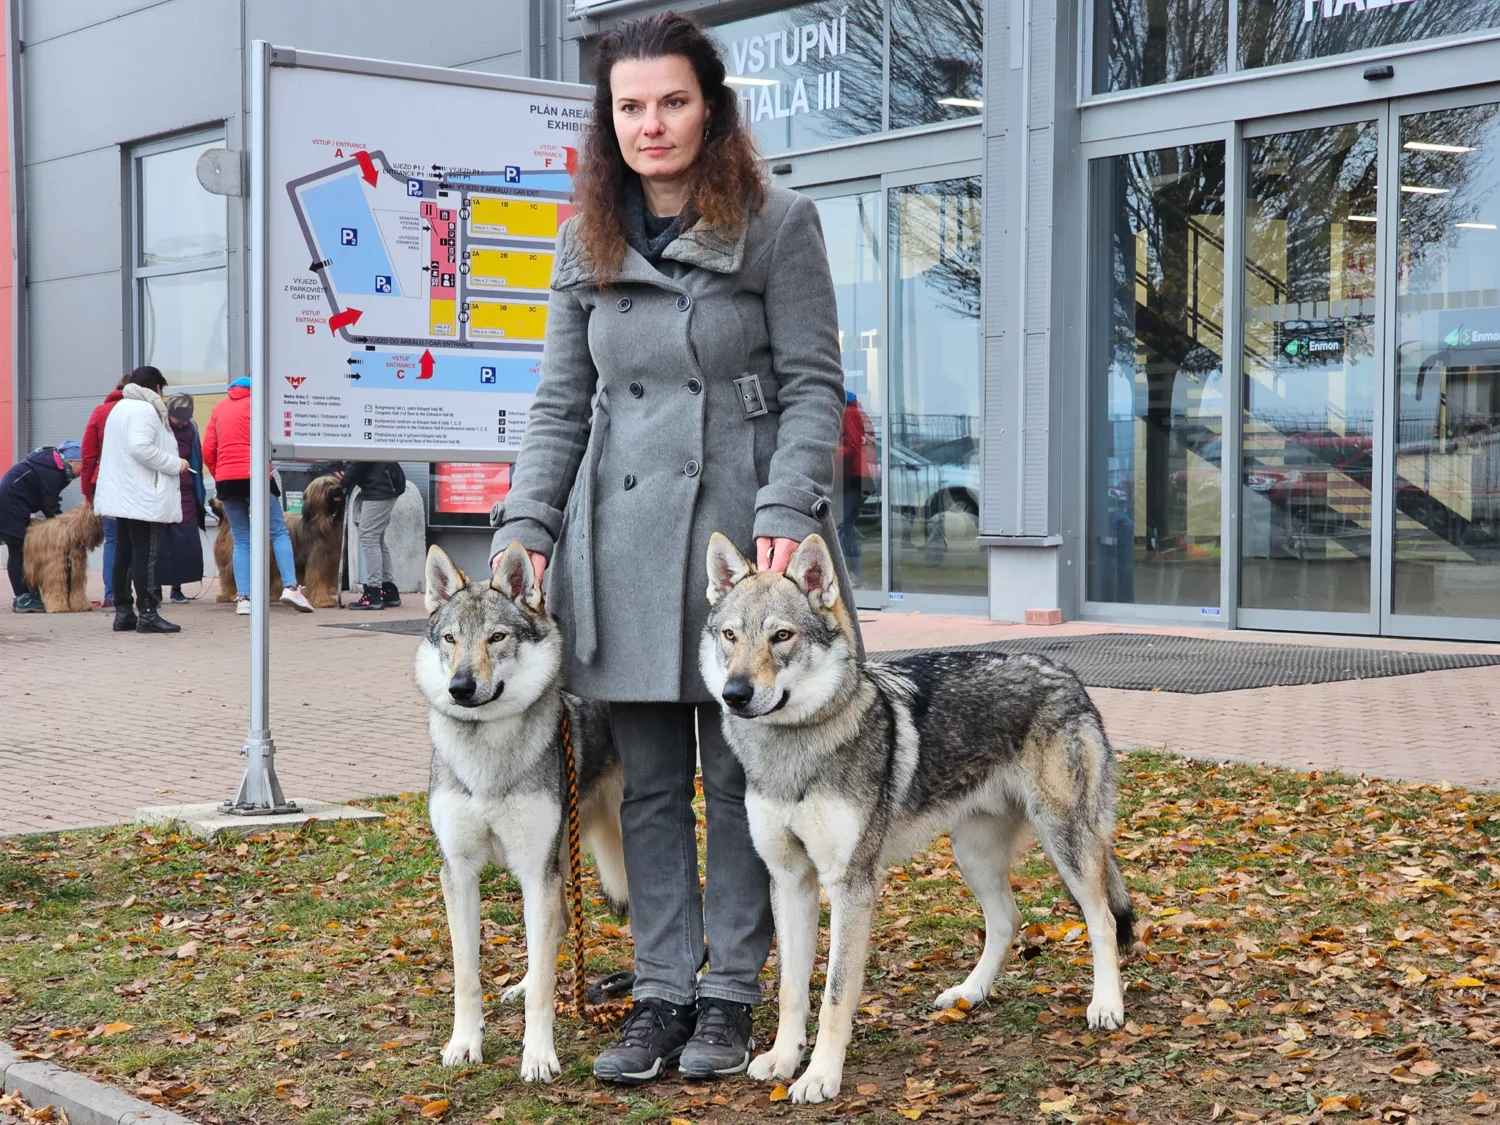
{"points": [[645, 1018], [718, 1020]]}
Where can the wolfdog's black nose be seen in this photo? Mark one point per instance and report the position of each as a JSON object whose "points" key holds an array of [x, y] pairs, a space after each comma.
{"points": [[461, 687], [737, 693]]}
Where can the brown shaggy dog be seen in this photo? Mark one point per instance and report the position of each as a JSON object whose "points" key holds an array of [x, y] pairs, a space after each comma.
{"points": [[317, 540], [57, 552]]}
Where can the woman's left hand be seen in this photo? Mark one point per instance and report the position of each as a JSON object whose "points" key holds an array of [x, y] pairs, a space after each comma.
{"points": [[773, 554]]}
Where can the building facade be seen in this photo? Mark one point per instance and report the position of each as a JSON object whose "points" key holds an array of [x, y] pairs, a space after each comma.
{"points": [[1151, 310]]}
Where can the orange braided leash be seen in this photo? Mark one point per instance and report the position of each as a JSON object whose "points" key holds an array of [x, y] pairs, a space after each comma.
{"points": [[609, 1014]]}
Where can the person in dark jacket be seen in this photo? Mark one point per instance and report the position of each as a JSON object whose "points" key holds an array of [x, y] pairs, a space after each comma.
{"points": [[180, 557], [380, 485], [33, 485]]}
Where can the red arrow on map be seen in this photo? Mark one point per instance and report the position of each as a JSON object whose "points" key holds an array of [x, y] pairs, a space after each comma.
{"points": [[570, 160], [427, 363], [367, 167], [344, 319]]}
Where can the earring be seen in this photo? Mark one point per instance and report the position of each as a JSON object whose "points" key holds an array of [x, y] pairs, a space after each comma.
{"points": [[705, 132]]}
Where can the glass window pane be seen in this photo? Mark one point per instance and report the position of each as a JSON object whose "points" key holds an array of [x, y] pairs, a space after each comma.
{"points": [[1281, 31], [1310, 372], [180, 220], [809, 74], [851, 228], [185, 325], [1148, 42], [937, 61], [1156, 415], [1447, 518], [933, 460]]}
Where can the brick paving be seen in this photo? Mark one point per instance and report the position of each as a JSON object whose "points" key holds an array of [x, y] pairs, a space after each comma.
{"points": [[94, 724]]}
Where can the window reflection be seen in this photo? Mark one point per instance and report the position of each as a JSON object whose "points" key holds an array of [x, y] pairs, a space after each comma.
{"points": [[1156, 394], [180, 221], [1149, 42], [1281, 31], [937, 61], [933, 458], [1447, 480], [185, 325]]}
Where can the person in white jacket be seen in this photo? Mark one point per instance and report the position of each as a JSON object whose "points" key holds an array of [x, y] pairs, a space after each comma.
{"points": [[138, 487]]}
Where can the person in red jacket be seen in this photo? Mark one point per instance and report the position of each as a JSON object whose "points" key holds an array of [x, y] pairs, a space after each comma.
{"points": [[226, 452], [93, 442]]}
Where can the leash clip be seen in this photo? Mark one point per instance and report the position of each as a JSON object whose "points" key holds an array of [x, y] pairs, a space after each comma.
{"points": [[752, 398]]}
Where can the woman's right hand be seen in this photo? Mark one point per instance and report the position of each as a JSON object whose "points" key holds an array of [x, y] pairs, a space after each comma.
{"points": [[186, 468]]}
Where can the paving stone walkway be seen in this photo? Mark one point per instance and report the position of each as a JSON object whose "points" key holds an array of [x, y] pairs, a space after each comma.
{"points": [[95, 724]]}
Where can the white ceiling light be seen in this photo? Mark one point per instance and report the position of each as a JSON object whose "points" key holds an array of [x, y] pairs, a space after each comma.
{"points": [[738, 80], [962, 103], [1424, 146], [1475, 226], [1363, 219], [1417, 189]]}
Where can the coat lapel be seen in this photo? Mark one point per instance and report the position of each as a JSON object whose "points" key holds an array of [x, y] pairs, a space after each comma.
{"points": [[700, 246]]}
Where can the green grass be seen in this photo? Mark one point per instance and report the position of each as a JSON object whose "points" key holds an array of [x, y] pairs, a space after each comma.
{"points": [[1290, 924]]}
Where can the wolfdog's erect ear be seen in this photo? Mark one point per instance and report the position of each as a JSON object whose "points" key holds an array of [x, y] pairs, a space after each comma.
{"points": [[726, 567], [444, 579], [515, 577], [812, 570]]}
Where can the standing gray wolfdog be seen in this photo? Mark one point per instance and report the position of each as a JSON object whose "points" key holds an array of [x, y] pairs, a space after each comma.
{"points": [[491, 669], [850, 768]]}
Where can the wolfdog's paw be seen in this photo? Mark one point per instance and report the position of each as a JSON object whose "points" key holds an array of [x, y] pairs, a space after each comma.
{"points": [[464, 1046], [1107, 1013], [514, 992], [819, 1084], [539, 1064], [775, 1063], [950, 999]]}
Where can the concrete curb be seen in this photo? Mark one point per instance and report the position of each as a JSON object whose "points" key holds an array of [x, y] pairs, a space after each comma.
{"points": [[87, 1102]]}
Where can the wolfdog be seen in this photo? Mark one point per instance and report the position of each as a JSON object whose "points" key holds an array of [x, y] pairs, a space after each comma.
{"points": [[491, 669], [850, 768]]}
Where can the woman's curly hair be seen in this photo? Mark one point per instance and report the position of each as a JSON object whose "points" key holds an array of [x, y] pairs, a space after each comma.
{"points": [[729, 177]]}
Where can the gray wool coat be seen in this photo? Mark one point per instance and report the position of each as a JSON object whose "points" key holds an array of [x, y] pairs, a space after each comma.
{"points": [[640, 445]]}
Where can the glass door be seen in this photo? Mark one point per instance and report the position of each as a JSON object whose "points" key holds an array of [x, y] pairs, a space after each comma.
{"points": [[1312, 356], [1444, 542]]}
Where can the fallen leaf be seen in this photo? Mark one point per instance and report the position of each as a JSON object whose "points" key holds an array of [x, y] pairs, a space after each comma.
{"points": [[187, 952], [435, 1109], [117, 1028], [779, 1094], [866, 1088]]}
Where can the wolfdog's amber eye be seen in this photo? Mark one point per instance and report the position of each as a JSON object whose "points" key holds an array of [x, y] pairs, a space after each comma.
{"points": [[449, 638], [496, 638], [782, 636], [729, 634]]}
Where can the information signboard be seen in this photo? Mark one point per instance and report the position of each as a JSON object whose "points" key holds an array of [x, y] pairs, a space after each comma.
{"points": [[412, 215]]}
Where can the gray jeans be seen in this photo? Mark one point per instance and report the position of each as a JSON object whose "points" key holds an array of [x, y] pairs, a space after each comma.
{"points": [[668, 914], [374, 518]]}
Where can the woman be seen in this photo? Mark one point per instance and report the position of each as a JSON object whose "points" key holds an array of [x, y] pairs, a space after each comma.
{"points": [[226, 452], [93, 442], [138, 471], [34, 484], [691, 383], [180, 558]]}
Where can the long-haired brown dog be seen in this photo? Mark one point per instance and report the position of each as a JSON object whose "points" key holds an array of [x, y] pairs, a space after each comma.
{"points": [[317, 540], [57, 554]]}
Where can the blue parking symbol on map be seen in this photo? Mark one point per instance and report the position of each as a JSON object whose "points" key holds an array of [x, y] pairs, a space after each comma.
{"points": [[382, 283], [348, 236], [512, 174], [414, 187], [486, 374]]}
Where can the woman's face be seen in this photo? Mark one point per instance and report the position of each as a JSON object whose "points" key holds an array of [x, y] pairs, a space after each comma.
{"points": [[659, 115]]}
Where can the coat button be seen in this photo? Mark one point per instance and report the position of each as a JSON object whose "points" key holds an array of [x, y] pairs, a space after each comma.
{"points": [[821, 508], [684, 303], [691, 468], [623, 304], [637, 390], [694, 386], [629, 481]]}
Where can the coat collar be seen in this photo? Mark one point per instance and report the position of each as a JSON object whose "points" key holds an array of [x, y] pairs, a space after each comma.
{"points": [[700, 246], [144, 394]]}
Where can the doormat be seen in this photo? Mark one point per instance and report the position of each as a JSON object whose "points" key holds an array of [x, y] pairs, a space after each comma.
{"points": [[1199, 666], [1160, 662]]}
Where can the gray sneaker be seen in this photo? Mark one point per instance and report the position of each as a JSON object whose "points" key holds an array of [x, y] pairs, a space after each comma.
{"points": [[721, 1043], [651, 1039]]}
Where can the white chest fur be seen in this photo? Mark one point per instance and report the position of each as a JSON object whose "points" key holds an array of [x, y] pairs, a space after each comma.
{"points": [[819, 828]]}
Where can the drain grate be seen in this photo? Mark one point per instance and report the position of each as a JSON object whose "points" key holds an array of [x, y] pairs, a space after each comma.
{"points": [[1160, 662]]}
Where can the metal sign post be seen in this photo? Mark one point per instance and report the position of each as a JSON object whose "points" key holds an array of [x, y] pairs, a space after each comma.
{"points": [[259, 792]]}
